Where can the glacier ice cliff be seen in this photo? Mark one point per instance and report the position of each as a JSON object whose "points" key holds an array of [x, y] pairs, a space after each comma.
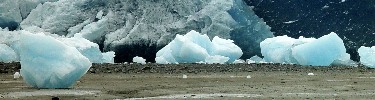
{"points": [[141, 27], [12, 12]]}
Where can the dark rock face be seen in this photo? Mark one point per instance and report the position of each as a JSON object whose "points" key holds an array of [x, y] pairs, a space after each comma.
{"points": [[352, 20]]}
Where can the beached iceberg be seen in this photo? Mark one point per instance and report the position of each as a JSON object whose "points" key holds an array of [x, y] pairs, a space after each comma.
{"points": [[367, 56], [49, 63], [139, 60], [194, 47], [108, 57], [321, 52], [305, 51]]}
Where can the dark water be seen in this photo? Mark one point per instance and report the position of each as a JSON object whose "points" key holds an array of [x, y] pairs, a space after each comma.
{"points": [[352, 20]]}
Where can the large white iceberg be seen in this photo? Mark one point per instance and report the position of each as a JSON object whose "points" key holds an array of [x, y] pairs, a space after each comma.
{"points": [[279, 49], [49, 63], [305, 51], [367, 56], [194, 47], [321, 52]]}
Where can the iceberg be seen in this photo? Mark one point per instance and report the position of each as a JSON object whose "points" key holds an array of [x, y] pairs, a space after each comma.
{"points": [[108, 57], [321, 52], [48, 63], [194, 47], [216, 59], [139, 60], [279, 49], [306, 51], [367, 56]]}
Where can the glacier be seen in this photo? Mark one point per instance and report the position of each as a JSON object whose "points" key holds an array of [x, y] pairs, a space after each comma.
{"points": [[12, 12], [367, 56], [131, 25], [194, 47], [324, 51], [49, 63]]}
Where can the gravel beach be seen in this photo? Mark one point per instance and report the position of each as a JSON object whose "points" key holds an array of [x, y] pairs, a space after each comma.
{"points": [[201, 81]]}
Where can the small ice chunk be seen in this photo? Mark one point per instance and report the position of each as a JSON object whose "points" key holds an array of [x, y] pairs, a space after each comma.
{"points": [[239, 61], [184, 76], [108, 57], [99, 15], [139, 60], [16, 75], [290, 22], [310, 74], [248, 76], [367, 56]]}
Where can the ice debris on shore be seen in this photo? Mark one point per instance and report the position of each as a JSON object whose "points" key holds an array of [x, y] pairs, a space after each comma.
{"points": [[16, 75], [323, 51], [139, 60], [194, 47], [367, 56], [108, 57], [49, 63]]}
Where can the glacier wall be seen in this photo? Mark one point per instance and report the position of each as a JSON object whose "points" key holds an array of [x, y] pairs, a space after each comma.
{"points": [[142, 27], [12, 12]]}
